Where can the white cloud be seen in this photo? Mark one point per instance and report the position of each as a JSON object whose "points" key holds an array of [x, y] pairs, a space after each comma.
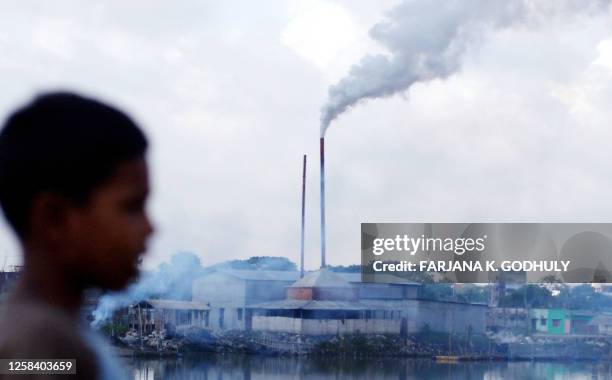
{"points": [[319, 31]]}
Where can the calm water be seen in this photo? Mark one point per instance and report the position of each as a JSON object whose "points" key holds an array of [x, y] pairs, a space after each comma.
{"points": [[246, 367]]}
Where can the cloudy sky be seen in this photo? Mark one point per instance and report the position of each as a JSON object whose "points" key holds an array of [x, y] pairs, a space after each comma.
{"points": [[230, 94]]}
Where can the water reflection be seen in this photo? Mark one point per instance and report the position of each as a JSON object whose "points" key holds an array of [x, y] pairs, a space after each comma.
{"points": [[249, 367]]}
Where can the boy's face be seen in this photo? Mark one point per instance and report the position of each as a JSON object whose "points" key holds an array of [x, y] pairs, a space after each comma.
{"points": [[108, 234]]}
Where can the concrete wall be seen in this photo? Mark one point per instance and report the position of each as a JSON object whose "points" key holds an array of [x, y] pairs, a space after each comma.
{"points": [[452, 317], [541, 320], [220, 290], [326, 326], [556, 322], [231, 318], [551, 317], [226, 295], [508, 318], [439, 316]]}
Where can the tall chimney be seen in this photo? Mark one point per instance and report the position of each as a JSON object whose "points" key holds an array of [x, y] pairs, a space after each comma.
{"points": [[322, 202], [303, 213]]}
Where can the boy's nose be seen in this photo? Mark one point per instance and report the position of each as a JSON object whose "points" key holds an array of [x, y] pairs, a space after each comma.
{"points": [[149, 228]]}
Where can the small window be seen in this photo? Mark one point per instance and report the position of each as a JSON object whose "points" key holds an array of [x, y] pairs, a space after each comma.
{"points": [[221, 317], [206, 314], [556, 322], [542, 321], [240, 314]]}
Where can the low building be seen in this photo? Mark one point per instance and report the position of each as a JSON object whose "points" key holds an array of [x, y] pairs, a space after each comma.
{"points": [[231, 293], [166, 315], [601, 324], [561, 322], [440, 316], [323, 303], [580, 322]]}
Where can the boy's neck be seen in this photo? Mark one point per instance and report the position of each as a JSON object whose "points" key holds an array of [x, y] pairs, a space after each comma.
{"points": [[45, 282]]}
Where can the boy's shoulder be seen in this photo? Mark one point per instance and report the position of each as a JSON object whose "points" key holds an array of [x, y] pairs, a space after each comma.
{"points": [[37, 331]]}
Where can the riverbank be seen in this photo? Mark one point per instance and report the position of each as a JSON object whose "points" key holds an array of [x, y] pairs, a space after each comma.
{"points": [[425, 344]]}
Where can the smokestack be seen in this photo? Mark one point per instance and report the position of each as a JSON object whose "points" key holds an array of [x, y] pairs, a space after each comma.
{"points": [[303, 213], [322, 202]]}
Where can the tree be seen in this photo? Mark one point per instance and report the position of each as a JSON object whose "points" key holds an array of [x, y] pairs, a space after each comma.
{"points": [[529, 296], [263, 263], [473, 293], [436, 291], [353, 268]]}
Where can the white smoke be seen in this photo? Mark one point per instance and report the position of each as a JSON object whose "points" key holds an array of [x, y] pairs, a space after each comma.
{"points": [[171, 281], [427, 39]]}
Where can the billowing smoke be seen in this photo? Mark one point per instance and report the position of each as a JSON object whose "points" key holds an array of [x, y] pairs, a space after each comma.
{"points": [[171, 281], [426, 40]]}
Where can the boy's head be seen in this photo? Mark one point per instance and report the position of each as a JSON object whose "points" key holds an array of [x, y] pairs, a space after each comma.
{"points": [[73, 185]]}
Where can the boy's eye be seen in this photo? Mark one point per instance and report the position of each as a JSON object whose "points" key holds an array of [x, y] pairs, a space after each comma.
{"points": [[134, 204]]}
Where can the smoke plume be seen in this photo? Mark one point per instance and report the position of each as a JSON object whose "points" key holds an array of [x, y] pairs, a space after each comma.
{"points": [[426, 39], [171, 281]]}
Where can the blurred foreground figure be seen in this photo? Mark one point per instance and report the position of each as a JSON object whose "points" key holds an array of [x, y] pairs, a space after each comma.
{"points": [[73, 186]]}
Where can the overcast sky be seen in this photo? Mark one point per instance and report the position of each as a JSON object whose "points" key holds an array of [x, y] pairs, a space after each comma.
{"points": [[230, 94]]}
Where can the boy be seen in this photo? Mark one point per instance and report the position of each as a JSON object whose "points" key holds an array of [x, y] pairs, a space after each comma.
{"points": [[73, 186]]}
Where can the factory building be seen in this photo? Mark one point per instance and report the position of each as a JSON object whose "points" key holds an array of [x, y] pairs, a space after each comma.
{"points": [[236, 296], [323, 303], [231, 293]]}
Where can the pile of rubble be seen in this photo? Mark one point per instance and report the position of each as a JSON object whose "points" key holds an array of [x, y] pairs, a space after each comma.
{"points": [[152, 342], [268, 343]]}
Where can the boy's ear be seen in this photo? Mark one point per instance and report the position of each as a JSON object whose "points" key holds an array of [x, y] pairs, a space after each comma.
{"points": [[49, 217]]}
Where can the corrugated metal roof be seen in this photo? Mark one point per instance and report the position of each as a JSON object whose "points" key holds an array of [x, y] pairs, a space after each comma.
{"points": [[262, 275], [322, 278], [177, 305], [381, 278], [317, 305]]}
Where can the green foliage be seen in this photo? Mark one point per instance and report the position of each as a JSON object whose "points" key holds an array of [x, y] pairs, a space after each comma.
{"points": [[473, 294], [263, 263], [585, 297], [436, 292], [582, 297], [354, 268], [531, 296], [468, 293]]}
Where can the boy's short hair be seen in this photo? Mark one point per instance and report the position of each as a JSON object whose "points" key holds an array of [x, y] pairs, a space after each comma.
{"points": [[62, 143]]}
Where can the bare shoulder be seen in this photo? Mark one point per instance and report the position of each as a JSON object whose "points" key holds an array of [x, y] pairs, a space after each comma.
{"points": [[34, 331]]}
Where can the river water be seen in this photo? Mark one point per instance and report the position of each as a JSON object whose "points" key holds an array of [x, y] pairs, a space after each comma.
{"points": [[253, 367]]}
